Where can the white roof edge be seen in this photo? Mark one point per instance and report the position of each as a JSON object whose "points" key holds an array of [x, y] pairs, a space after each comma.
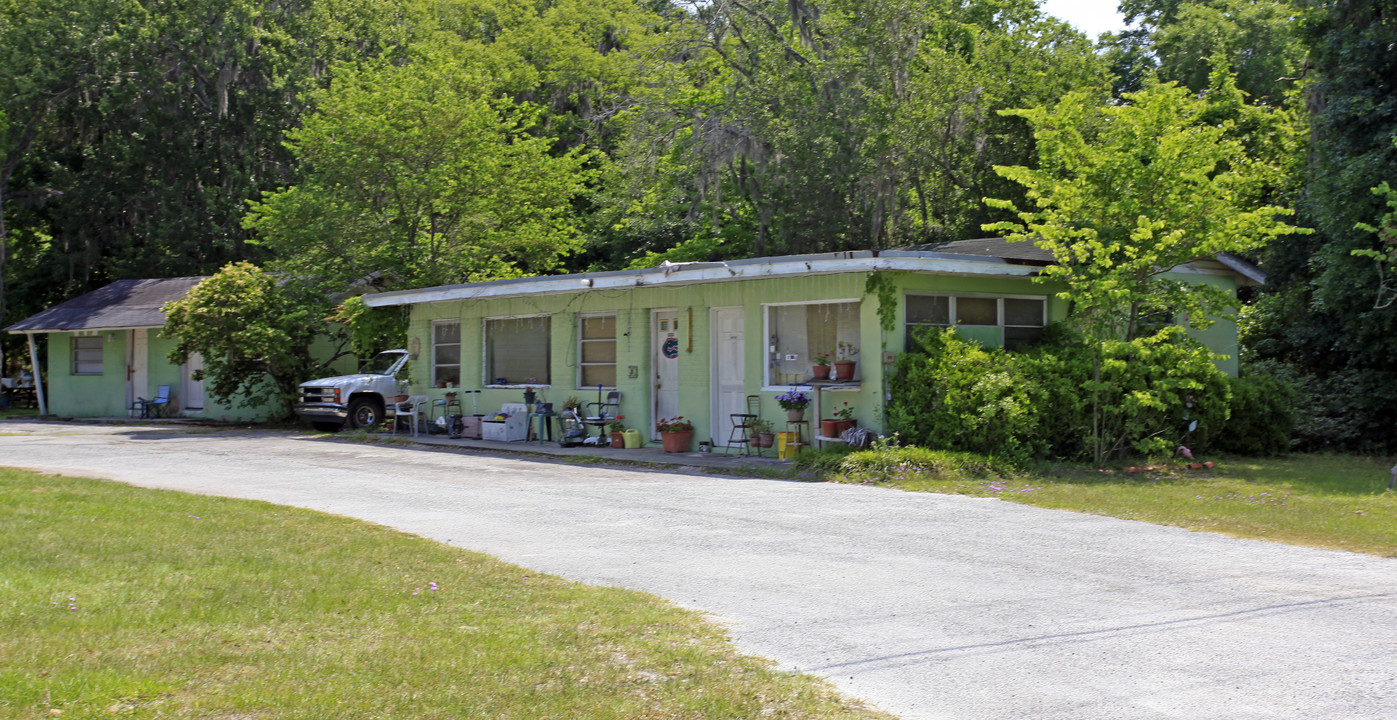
{"points": [[86, 330], [1242, 267], [684, 274]]}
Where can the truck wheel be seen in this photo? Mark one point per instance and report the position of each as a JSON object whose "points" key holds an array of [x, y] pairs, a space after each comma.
{"points": [[364, 413], [323, 426]]}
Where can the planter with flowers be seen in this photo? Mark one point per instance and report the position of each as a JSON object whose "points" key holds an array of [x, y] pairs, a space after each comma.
{"points": [[821, 369], [843, 420], [762, 434], [844, 362], [793, 402], [675, 434], [617, 429]]}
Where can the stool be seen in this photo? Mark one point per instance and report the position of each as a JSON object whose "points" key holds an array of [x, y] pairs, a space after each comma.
{"points": [[545, 425]]}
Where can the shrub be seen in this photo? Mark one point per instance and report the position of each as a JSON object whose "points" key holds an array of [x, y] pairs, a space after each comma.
{"points": [[1262, 416], [1062, 399]]}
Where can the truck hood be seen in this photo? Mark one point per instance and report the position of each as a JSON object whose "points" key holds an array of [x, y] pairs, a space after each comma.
{"points": [[342, 380]]}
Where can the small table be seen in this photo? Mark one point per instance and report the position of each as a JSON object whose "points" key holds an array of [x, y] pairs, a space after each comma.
{"points": [[545, 425], [799, 425]]}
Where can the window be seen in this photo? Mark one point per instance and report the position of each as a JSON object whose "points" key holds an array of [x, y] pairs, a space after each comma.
{"points": [[446, 352], [517, 351], [799, 332], [87, 355], [1008, 322], [597, 351]]}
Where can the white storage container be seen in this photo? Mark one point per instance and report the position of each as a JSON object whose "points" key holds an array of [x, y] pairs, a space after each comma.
{"points": [[512, 429]]}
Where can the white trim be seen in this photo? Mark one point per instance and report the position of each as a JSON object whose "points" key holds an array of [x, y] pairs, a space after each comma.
{"points": [[485, 352], [615, 341], [432, 339], [766, 329]]}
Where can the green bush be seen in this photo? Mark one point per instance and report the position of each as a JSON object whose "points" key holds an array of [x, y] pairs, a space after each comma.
{"points": [[884, 463], [1262, 418], [1061, 399]]}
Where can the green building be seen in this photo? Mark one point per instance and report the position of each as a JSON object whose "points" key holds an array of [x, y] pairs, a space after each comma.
{"points": [[696, 339]]}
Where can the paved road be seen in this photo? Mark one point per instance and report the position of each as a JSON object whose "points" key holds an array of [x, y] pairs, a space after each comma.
{"points": [[928, 606]]}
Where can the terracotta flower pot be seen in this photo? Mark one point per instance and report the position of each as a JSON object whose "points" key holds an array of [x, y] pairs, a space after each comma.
{"points": [[618, 440], [821, 372], [845, 369], [829, 428], [676, 442], [842, 425], [763, 440]]}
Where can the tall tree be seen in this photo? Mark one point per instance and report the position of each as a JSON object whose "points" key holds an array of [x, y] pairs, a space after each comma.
{"points": [[418, 170], [1123, 194]]}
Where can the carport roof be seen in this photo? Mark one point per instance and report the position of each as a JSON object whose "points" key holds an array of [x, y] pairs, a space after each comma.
{"points": [[122, 304]]}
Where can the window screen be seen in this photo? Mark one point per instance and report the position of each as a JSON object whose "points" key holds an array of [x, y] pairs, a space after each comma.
{"points": [[87, 355], [517, 351], [597, 351], [446, 352]]}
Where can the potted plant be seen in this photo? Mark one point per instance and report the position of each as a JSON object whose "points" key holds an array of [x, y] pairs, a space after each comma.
{"points": [[617, 429], [572, 403], [763, 435], [844, 419], [793, 402], [845, 363], [529, 395], [821, 369], [675, 434]]}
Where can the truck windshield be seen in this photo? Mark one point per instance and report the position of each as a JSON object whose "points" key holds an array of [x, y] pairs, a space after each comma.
{"points": [[381, 363]]}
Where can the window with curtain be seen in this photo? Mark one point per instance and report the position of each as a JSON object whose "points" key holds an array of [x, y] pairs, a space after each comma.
{"points": [[87, 355], [446, 352], [596, 351], [517, 351], [1007, 322], [799, 332]]}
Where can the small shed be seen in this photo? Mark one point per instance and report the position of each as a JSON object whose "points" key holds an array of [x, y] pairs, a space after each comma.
{"points": [[106, 348]]}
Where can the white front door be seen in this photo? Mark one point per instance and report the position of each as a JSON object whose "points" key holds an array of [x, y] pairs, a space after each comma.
{"points": [[193, 391], [137, 366], [729, 387], [664, 361]]}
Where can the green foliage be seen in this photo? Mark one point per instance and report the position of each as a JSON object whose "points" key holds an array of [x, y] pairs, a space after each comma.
{"points": [[891, 463], [254, 333], [1056, 401], [416, 170], [1386, 257], [1124, 193], [1150, 389], [372, 330], [1262, 414]]}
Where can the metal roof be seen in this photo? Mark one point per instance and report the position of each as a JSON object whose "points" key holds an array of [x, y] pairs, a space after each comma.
{"points": [[122, 304]]}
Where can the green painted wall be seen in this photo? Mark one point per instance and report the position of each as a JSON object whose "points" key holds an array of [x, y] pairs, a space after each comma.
{"points": [[105, 395]]}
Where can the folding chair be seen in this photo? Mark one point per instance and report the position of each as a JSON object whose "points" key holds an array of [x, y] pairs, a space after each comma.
{"points": [[154, 407]]}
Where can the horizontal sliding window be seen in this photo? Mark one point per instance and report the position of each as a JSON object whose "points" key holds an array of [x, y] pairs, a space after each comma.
{"points": [[1008, 322]]}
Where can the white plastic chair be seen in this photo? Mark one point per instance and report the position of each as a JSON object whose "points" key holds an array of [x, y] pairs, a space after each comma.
{"points": [[414, 408]]}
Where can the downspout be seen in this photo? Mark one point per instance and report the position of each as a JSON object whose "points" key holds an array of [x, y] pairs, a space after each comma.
{"points": [[38, 375]]}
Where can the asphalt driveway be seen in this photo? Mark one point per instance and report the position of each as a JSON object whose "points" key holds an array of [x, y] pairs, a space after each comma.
{"points": [[927, 606]]}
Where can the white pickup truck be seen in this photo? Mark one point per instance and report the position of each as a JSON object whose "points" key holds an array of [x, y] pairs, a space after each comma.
{"points": [[362, 400]]}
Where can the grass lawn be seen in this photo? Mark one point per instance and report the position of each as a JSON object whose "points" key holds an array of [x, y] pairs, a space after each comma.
{"points": [[120, 602], [1329, 501]]}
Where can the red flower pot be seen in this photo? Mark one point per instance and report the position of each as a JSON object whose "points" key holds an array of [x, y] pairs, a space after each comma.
{"points": [[676, 442], [821, 372], [618, 440]]}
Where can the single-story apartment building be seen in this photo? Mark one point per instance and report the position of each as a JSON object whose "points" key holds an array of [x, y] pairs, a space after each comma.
{"points": [[695, 339], [106, 349]]}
